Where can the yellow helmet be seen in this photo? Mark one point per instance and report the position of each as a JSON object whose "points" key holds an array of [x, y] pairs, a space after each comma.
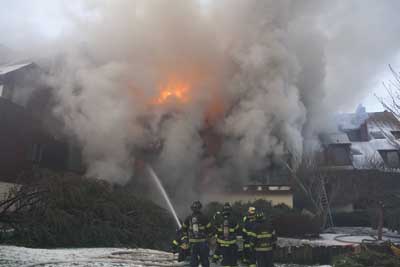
{"points": [[251, 210]]}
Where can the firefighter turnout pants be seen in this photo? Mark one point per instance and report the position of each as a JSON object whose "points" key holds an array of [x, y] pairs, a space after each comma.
{"points": [[249, 257], [199, 254], [265, 258], [183, 254], [229, 254]]}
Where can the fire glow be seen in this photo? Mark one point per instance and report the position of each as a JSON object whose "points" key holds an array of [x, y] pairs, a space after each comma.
{"points": [[180, 93], [173, 90]]}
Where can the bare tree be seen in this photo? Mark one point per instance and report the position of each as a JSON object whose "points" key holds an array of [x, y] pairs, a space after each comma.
{"points": [[323, 187], [392, 87], [311, 181]]}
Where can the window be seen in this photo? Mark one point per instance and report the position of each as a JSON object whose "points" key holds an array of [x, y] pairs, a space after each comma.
{"points": [[354, 135], [391, 158], [339, 155], [359, 134], [355, 151], [378, 135], [36, 153], [396, 134]]}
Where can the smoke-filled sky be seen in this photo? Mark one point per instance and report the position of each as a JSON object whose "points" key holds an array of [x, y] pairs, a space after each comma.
{"points": [[356, 23], [261, 74]]}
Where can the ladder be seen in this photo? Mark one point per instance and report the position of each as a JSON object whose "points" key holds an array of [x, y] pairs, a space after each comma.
{"points": [[325, 207]]}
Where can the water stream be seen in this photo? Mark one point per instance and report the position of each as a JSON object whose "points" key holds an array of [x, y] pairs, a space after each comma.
{"points": [[164, 194]]}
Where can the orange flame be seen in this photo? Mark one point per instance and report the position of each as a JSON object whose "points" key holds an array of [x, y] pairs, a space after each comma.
{"points": [[174, 89]]}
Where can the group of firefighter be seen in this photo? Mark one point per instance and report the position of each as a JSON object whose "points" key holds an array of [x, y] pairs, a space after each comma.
{"points": [[259, 239]]}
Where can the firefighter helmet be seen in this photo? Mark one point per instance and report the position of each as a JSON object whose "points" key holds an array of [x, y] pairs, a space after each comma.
{"points": [[196, 206], [251, 211], [227, 209], [260, 216]]}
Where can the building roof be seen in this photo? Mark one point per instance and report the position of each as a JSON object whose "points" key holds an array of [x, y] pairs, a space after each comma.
{"points": [[335, 138], [5, 69], [380, 129], [384, 121]]}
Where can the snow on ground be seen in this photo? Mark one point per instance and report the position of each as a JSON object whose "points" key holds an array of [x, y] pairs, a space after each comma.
{"points": [[342, 236], [27, 257], [11, 256]]}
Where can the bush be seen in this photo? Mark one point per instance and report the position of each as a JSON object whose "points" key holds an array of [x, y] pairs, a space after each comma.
{"points": [[296, 225], [73, 211], [355, 219], [367, 259], [392, 219]]}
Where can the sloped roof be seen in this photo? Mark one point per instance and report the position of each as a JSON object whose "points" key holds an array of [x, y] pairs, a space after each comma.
{"points": [[383, 121], [335, 138], [5, 69], [365, 154]]}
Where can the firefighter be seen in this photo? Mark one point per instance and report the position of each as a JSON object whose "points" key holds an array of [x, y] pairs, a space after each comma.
{"points": [[198, 228], [227, 230], [249, 221], [181, 245], [217, 217], [264, 241]]}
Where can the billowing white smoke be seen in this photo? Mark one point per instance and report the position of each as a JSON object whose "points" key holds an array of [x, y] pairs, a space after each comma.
{"points": [[135, 46], [275, 68], [113, 73], [268, 117]]}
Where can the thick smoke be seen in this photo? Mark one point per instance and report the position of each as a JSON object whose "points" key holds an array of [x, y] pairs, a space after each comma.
{"points": [[266, 120], [110, 80], [261, 77]]}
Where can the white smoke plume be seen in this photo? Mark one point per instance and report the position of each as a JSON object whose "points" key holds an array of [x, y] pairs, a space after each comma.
{"points": [[258, 78]]}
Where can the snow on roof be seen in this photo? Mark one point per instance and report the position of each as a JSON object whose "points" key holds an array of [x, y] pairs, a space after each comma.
{"points": [[10, 68], [335, 138], [365, 155], [380, 127], [384, 122], [384, 118]]}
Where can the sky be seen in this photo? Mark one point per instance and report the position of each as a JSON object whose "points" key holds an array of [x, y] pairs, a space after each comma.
{"points": [[39, 20], [377, 88]]}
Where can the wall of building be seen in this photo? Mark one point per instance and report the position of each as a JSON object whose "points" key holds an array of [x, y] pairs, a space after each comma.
{"points": [[24, 143], [18, 133]]}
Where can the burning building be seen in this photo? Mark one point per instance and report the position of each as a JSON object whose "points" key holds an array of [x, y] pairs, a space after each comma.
{"points": [[215, 97]]}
